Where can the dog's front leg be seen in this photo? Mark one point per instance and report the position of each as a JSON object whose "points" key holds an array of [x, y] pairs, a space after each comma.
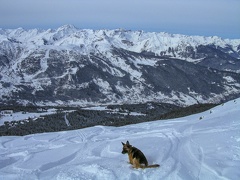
{"points": [[130, 158]]}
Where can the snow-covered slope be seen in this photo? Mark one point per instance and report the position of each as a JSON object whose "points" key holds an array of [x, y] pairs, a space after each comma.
{"points": [[81, 66], [200, 146]]}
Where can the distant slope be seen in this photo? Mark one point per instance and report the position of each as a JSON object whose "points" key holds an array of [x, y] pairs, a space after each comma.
{"points": [[186, 148], [70, 66]]}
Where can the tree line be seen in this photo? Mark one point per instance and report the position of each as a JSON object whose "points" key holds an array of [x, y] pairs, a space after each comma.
{"points": [[86, 118]]}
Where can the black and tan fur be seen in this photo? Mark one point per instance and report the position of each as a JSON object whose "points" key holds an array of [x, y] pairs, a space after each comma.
{"points": [[136, 157]]}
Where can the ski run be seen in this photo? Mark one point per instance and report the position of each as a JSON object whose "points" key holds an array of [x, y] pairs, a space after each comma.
{"points": [[203, 146]]}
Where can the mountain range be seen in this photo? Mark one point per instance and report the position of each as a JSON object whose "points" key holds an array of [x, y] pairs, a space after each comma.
{"points": [[71, 66]]}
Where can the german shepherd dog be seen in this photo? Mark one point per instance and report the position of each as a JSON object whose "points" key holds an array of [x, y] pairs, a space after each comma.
{"points": [[136, 157]]}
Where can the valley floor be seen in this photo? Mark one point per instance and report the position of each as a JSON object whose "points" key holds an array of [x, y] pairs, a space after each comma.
{"points": [[200, 146]]}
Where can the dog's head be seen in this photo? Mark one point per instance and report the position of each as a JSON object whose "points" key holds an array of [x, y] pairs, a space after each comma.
{"points": [[126, 147]]}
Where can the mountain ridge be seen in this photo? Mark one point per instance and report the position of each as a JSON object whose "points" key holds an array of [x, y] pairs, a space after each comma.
{"points": [[76, 66]]}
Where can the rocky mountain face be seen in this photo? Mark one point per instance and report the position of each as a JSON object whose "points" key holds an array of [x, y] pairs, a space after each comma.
{"points": [[70, 66]]}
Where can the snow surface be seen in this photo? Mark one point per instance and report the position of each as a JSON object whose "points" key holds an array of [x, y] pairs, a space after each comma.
{"points": [[200, 146], [19, 116]]}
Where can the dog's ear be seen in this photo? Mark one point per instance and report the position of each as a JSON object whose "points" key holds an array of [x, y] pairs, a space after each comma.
{"points": [[127, 143], [123, 144]]}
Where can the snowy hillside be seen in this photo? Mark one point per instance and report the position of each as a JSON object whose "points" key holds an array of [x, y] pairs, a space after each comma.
{"points": [[200, 146], [70, 66]]}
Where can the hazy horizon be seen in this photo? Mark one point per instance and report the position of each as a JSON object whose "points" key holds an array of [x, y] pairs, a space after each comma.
{"points": [[188, 17]]}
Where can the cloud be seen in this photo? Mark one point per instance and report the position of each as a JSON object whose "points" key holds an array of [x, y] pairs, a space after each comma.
{"points": [[151, 15]]}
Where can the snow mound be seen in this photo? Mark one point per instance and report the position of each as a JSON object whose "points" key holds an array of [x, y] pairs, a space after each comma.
{"points": [[200, 146]]}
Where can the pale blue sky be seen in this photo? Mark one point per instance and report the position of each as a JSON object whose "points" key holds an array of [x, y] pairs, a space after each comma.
{"points": [[190, 17]]}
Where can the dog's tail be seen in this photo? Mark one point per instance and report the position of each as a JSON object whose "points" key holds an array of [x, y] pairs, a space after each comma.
{"points": [[152, 166]]}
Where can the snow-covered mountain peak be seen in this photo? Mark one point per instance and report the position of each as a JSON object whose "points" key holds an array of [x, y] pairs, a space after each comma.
{"points": [[67, 27], [66, 30]]}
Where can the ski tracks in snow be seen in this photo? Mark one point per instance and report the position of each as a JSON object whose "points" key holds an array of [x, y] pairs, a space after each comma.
{"points": [[185, 148], [181, 144]]}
